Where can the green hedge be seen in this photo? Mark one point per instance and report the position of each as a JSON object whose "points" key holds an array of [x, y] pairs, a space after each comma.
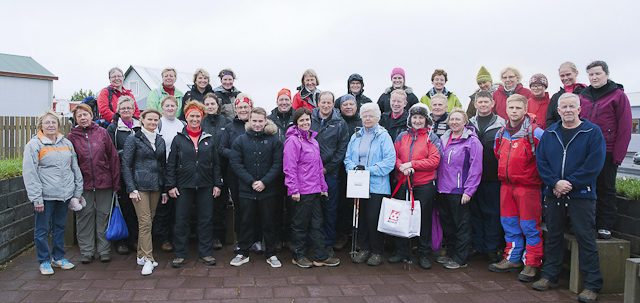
{"points": [[628, 187], [10, 168]]}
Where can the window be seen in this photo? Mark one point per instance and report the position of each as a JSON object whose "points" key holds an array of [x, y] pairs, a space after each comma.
{"points": [[636, 126], [133, 86]]}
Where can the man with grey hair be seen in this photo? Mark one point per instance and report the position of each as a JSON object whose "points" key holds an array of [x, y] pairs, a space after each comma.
{"points": [[439, 114], [570, 188], [395, 121]]}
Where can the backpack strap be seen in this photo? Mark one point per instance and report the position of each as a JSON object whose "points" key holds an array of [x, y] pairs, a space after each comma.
{"points": [[110, 97], [530, 135], [501, 134]]}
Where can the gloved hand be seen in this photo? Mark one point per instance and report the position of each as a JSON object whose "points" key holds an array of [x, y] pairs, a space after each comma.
{"points": [[75, 205], [360, 167]]}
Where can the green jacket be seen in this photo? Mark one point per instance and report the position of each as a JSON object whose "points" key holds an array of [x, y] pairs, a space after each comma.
{"points": [[153, 100], [452, 101]]}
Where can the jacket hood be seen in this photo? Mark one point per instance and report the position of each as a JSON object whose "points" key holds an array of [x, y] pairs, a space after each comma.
{"points": [[356, 77], [469, 131], [586, 124], [225, 91], [78, 129], [379, 129], [45, 140], [406, 89], [419, 109], [123, 127], [293, 131], [269, 129], [610, 86]]}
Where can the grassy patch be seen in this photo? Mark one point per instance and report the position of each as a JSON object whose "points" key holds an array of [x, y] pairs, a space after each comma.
{"points": [[10, 168], [628, 187]]}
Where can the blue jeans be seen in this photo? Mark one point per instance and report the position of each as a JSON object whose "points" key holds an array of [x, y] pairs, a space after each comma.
{"points": [[330, 211], [54, 219]]}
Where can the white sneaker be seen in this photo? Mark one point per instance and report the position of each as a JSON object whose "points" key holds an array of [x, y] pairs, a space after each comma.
{"points": [[239, 260], [142, 260], [147, 269], [274, 262]]}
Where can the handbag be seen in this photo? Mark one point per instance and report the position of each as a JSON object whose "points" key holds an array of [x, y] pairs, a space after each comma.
{"points": [[117, 228], [358, 184], [436, 230], [400, 218]]}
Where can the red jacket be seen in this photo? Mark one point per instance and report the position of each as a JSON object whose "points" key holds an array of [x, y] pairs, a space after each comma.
{"points": [[421, 151], [500, 97], [516, 161], [97, 157], [103, 102], [299, 102], [538, 107]]}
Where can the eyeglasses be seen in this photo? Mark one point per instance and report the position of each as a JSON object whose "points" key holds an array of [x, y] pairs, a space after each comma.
{"points": [[537, 86], [116, 77], [508, 77], [49, 122], [126, 108], [368, 117]]}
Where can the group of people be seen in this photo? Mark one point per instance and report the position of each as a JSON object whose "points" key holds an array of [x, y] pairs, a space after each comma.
{"points": [[488, 170]]}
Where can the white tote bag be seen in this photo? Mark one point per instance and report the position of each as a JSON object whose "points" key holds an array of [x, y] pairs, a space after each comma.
{"points": [[358, 184], [400, 218]]}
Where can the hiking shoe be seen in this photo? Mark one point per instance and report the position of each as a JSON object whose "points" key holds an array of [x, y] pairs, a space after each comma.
{"points": [[342, 241], [396, 259], [374, 260], [141, 261], [492, 257], [217, 245], [167, 246], [239, 260], [122, 249], [528, 274], [505, 266], [274, 262], [361, 256], [454, 265], [473, 254], [331, 261], [178, 262], [86, 259], [63, 263], [303, 262], [604, 234], [45, 268], [105, 258], [147, 269], [208, 260], [258, 247], [544, 284], [424, 262], [443, 259], [330, 251], [587, 296]]}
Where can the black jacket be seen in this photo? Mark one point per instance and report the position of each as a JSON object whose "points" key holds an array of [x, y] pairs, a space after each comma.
{"points": [[215, 125], [487, 138], [384, 102], [142, 167], [227, 99], [394, 126], [119, 133], [283, 121], [353, 122], [232, 131], [257, 156], [333, 138], [189, 168], [360, 97], [552, 110], [194, 95]]}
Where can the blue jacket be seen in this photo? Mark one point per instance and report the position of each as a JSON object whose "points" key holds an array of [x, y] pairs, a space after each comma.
{"points": [[579, 164], [381, 159]]}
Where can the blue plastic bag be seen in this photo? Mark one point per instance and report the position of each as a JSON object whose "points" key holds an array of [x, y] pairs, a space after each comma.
{"points": [[117, 228]]}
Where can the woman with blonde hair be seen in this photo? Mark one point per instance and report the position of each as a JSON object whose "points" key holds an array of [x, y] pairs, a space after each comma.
{"points": [[308, 95], [511, 78]]}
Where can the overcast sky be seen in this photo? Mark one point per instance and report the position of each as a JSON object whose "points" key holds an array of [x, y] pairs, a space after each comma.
{"points": [[269, 44]]}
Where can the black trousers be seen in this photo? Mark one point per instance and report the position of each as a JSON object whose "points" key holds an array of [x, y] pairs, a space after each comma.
{"points": [[283, 211], [606, 208], [369, 237], [203, 199], [265, 210], [426, 194], [345, 205], [455, 219], [164, 222], [234, 187], [306, 221]]}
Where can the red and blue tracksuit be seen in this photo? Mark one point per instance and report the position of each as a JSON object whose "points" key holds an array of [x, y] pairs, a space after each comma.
{"points": [[520, 194]]}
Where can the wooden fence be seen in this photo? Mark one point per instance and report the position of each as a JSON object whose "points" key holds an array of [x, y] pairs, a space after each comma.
{"points": [[15, 132]]}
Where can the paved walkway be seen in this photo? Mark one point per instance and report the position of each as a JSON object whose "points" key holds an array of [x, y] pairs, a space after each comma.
{"points": [[256, 281]]}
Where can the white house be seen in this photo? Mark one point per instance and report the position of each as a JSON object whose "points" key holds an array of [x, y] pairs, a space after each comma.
{"points": [[634, 99], [26, 87], [141, 80]]}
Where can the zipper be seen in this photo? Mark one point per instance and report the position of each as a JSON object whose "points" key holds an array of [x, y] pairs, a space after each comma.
{"points": [[449, 157], [508, 157], [93, 176], [458, 179]]}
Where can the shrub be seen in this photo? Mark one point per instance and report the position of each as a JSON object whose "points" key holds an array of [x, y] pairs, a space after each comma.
{"points": [[10, 168], [628, 187]]}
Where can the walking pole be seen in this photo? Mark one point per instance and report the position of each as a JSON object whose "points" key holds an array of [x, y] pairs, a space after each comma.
{"points": [[354, 236]]}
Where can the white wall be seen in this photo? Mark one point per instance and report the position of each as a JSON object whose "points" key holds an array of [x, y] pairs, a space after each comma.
{"points": [[24, 97]]}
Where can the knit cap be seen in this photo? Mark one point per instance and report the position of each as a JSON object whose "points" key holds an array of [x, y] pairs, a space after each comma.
{"points": [[422, 110], [539, 79], [345, 98], [284, 91], [397, 71], [483, 75]]}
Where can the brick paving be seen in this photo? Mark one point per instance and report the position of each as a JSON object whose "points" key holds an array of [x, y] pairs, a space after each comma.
{"points": [[256, 281]]}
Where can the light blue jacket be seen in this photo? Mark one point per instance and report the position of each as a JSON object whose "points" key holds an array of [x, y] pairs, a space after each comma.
{"points": [[381, 158]]}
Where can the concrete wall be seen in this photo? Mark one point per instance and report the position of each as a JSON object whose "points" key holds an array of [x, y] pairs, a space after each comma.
{"points": [[628, 224], [24, 97], [16, 219]]}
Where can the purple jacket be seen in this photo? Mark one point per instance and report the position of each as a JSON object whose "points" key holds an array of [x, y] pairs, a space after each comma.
{"points": [[302, 164], [612, 113], [460, 169]]}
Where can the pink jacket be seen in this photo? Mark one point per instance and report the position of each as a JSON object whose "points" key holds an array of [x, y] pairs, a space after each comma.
{"points": [[302, 164]]}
